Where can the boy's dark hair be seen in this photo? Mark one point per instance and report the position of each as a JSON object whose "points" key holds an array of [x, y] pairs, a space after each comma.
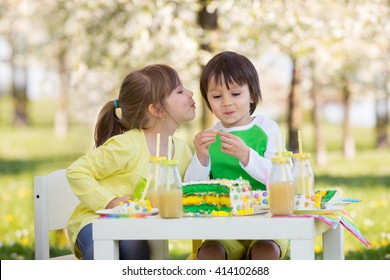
{"points": [[232, 68]]}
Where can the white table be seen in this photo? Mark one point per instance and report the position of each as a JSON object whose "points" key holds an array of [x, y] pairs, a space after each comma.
{"points": [[300, 231]]}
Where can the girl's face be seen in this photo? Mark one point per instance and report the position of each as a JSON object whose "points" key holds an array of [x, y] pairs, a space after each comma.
{"points": [[180, 105], [231, 106]]}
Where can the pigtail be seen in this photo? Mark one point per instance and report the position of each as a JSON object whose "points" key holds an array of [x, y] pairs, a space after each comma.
{"points": [[108, 124]]}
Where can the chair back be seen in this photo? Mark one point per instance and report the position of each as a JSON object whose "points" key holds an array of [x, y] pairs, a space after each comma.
{"points": [[54, 202]]}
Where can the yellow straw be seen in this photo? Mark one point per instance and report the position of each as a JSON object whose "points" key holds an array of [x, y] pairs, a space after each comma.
{"points": [[158, 145], [277, 145], [280, 154], [169, 157], [300, 142], [284, 140], [155, 174], [303, 182], [156, 163], [148, 181]]}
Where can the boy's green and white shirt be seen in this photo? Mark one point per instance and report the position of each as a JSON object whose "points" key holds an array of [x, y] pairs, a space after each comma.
{"points": [[259, 135]]}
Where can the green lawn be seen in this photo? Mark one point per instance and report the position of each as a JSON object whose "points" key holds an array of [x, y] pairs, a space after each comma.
{"points": [[25, 153]]}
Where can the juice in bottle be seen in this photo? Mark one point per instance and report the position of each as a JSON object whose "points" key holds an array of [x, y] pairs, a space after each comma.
{"points": [[281, 187], [170, 202], [170, 193], [303, 175]]}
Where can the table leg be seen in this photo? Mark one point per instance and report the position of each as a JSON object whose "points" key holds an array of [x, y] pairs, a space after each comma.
{"points": [[159, 249], [302, 249], [333, 243], [106, 250]]}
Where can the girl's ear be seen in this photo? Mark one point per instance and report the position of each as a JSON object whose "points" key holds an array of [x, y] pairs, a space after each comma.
{"points": [[156, 111]]}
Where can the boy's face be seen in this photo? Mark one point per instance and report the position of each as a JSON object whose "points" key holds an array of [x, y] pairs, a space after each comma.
{"points": [[231, 106]]}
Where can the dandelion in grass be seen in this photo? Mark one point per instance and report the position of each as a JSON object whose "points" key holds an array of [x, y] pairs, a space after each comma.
{"points": [[9, 218]]}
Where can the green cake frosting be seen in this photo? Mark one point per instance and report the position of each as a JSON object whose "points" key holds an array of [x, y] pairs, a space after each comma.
{"points": [[197, 189]]}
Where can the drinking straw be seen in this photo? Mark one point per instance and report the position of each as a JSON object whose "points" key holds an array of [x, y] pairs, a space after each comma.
{"points": [[169, 156], [303, 181], [280, 154], [266, 175], [148, 181], [156, 163], [277, 144], [284, 140], [300, 142], [158, 145]]}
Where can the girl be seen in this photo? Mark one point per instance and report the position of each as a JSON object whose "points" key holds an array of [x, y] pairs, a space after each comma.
{"points": [[238, 146], [151, 100]]}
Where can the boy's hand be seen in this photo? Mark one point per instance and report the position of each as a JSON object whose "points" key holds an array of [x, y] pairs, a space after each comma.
{"points": [[202, 142], [234, 146]]}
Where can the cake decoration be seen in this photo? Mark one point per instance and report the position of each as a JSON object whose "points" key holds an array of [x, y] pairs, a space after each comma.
{"points": [[322, 199], [133, 206], [221, 197]]}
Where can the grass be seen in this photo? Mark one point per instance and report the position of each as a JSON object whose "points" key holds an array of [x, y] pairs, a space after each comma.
{"points": [[27, 152]]}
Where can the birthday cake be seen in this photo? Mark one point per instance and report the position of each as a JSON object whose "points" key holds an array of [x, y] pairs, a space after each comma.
{"points": [[221, 197], [133, 206], [321, 199], [260, 199]]}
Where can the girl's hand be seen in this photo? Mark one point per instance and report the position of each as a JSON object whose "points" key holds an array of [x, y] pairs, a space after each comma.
{"points": [[115, 201], [234, 146], [202, 142]]}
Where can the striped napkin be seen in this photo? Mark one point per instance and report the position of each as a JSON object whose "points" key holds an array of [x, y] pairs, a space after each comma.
{"points": [[333, 219]]}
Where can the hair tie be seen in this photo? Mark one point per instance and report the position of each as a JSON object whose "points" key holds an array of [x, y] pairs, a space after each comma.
{"points": [[116, 103]]}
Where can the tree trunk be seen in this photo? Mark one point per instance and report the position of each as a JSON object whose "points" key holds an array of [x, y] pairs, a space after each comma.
{"points": [[19, 86], [208, 20], [294, 119], [19, 95], [349, 143], [382, 116], [319, 142], [61, 120]]}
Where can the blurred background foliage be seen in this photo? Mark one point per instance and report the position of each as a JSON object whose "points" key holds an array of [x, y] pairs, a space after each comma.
{"points": [[324, 68]]}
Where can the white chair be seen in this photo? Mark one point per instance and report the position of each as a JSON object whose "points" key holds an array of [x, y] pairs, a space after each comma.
{"points": [[54, 202]]}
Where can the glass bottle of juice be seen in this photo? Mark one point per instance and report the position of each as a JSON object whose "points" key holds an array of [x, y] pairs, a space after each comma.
{"points": [[287, 154], [281, 187], [170, 190], [303, 176], [153, 173]]}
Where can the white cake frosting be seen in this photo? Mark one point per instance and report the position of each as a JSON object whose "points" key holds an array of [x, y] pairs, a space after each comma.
{"points": [[133, 206]]}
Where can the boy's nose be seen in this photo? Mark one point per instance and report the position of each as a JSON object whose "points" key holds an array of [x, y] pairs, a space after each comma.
{"points": [[227, 102]]}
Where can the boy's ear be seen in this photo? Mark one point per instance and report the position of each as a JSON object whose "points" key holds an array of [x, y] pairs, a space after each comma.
{"points": [[156, 110]]}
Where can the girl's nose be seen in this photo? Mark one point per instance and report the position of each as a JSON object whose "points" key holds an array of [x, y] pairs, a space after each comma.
{"points": [[190, 93]]}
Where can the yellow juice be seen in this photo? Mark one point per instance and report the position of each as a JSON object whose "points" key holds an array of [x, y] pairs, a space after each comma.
{"points": [[281, 198], [170, 203], [152, 195]]}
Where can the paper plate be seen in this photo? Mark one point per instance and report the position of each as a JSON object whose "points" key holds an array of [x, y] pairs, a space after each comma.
{"points": [[319, 211], [111, 213], [257, 212], [343, 202]]}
